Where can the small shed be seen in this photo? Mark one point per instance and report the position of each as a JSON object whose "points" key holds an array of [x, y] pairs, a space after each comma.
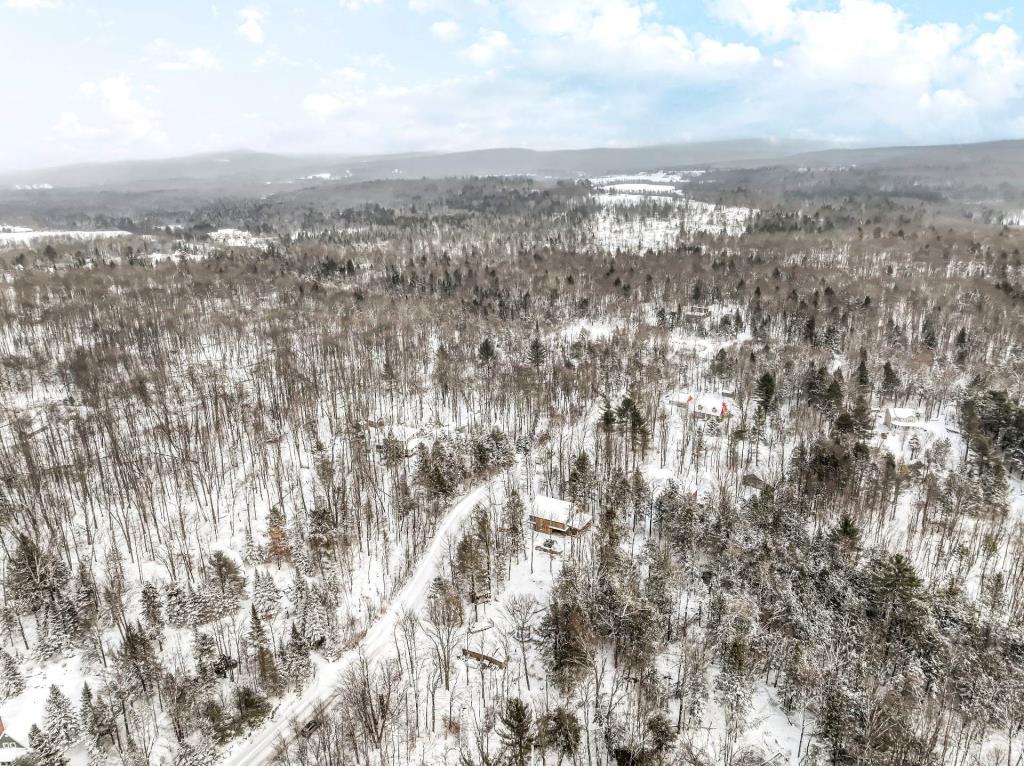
{"points": [[753, 481], [485, 647], [551, 515]]}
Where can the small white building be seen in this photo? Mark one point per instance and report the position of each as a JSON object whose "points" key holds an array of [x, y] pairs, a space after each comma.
{"points": [[904, 418], [704, 406]]}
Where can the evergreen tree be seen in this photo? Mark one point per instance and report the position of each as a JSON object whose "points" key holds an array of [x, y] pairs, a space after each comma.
{"points": [[46, 751], [265, 595], [85, 601], [152, 609], [863, 376], [562, 732], [298, 666], [256, 636], [252, 554], [515, 730], [189, 754], [226, 575], [581, 479], [176, 608], [315, 621], [11, 681], [890, 380], [512, 520], [486, 351], [863, 420], [278, 550], [537, 353], [87, 715], [33, 576], [204, 650], [61, 721], [259, 648], [566, 633], [962, 349], [765, 393], [52, 637]]}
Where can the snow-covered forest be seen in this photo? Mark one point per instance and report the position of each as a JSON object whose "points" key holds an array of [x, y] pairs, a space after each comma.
{"points": [[652, 469]]}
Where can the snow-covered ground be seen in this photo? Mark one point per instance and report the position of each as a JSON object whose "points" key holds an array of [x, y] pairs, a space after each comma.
{"points": [[654, 177], [240, 238], [641, 213], [20, 236]]}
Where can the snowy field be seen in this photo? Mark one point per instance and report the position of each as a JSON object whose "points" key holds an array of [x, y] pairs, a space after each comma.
{"points": [[651, 211], [240, 238], [658, 221], [17, 236]]}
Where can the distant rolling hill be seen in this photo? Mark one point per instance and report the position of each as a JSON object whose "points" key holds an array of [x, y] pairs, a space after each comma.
{"points": [[992, 162], [246, 171], [179, 183]]}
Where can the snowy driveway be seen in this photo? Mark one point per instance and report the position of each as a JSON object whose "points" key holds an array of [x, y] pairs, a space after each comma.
{"points": [[260, 746]]}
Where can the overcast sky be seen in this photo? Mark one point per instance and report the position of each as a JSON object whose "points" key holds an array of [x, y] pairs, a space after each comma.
{"points": [[124, 78]]}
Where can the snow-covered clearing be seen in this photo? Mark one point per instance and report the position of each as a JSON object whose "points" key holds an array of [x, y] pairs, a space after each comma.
{"points": [[639, 217], [19, 236], [240, 238]]}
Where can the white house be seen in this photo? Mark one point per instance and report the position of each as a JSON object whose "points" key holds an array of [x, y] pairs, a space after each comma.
{"points": [[10, 749], [704, 406], [902, 417]]}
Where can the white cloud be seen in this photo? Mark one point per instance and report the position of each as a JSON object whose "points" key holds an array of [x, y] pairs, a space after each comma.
{"points": [[350, 74], [322, 105], [192, 59], [483, 51], [129, 119], [33, 5], [996, 72], [1003, 14], [70, 126], [445, 30], [865, 66], [251, 27], [457, 113], [770, 19], [623, 38], [357, 5]]}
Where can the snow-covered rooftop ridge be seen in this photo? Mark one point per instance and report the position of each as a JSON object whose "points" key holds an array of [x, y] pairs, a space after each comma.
{"points": [[557, 510], [903, 413], [552, 508]]}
